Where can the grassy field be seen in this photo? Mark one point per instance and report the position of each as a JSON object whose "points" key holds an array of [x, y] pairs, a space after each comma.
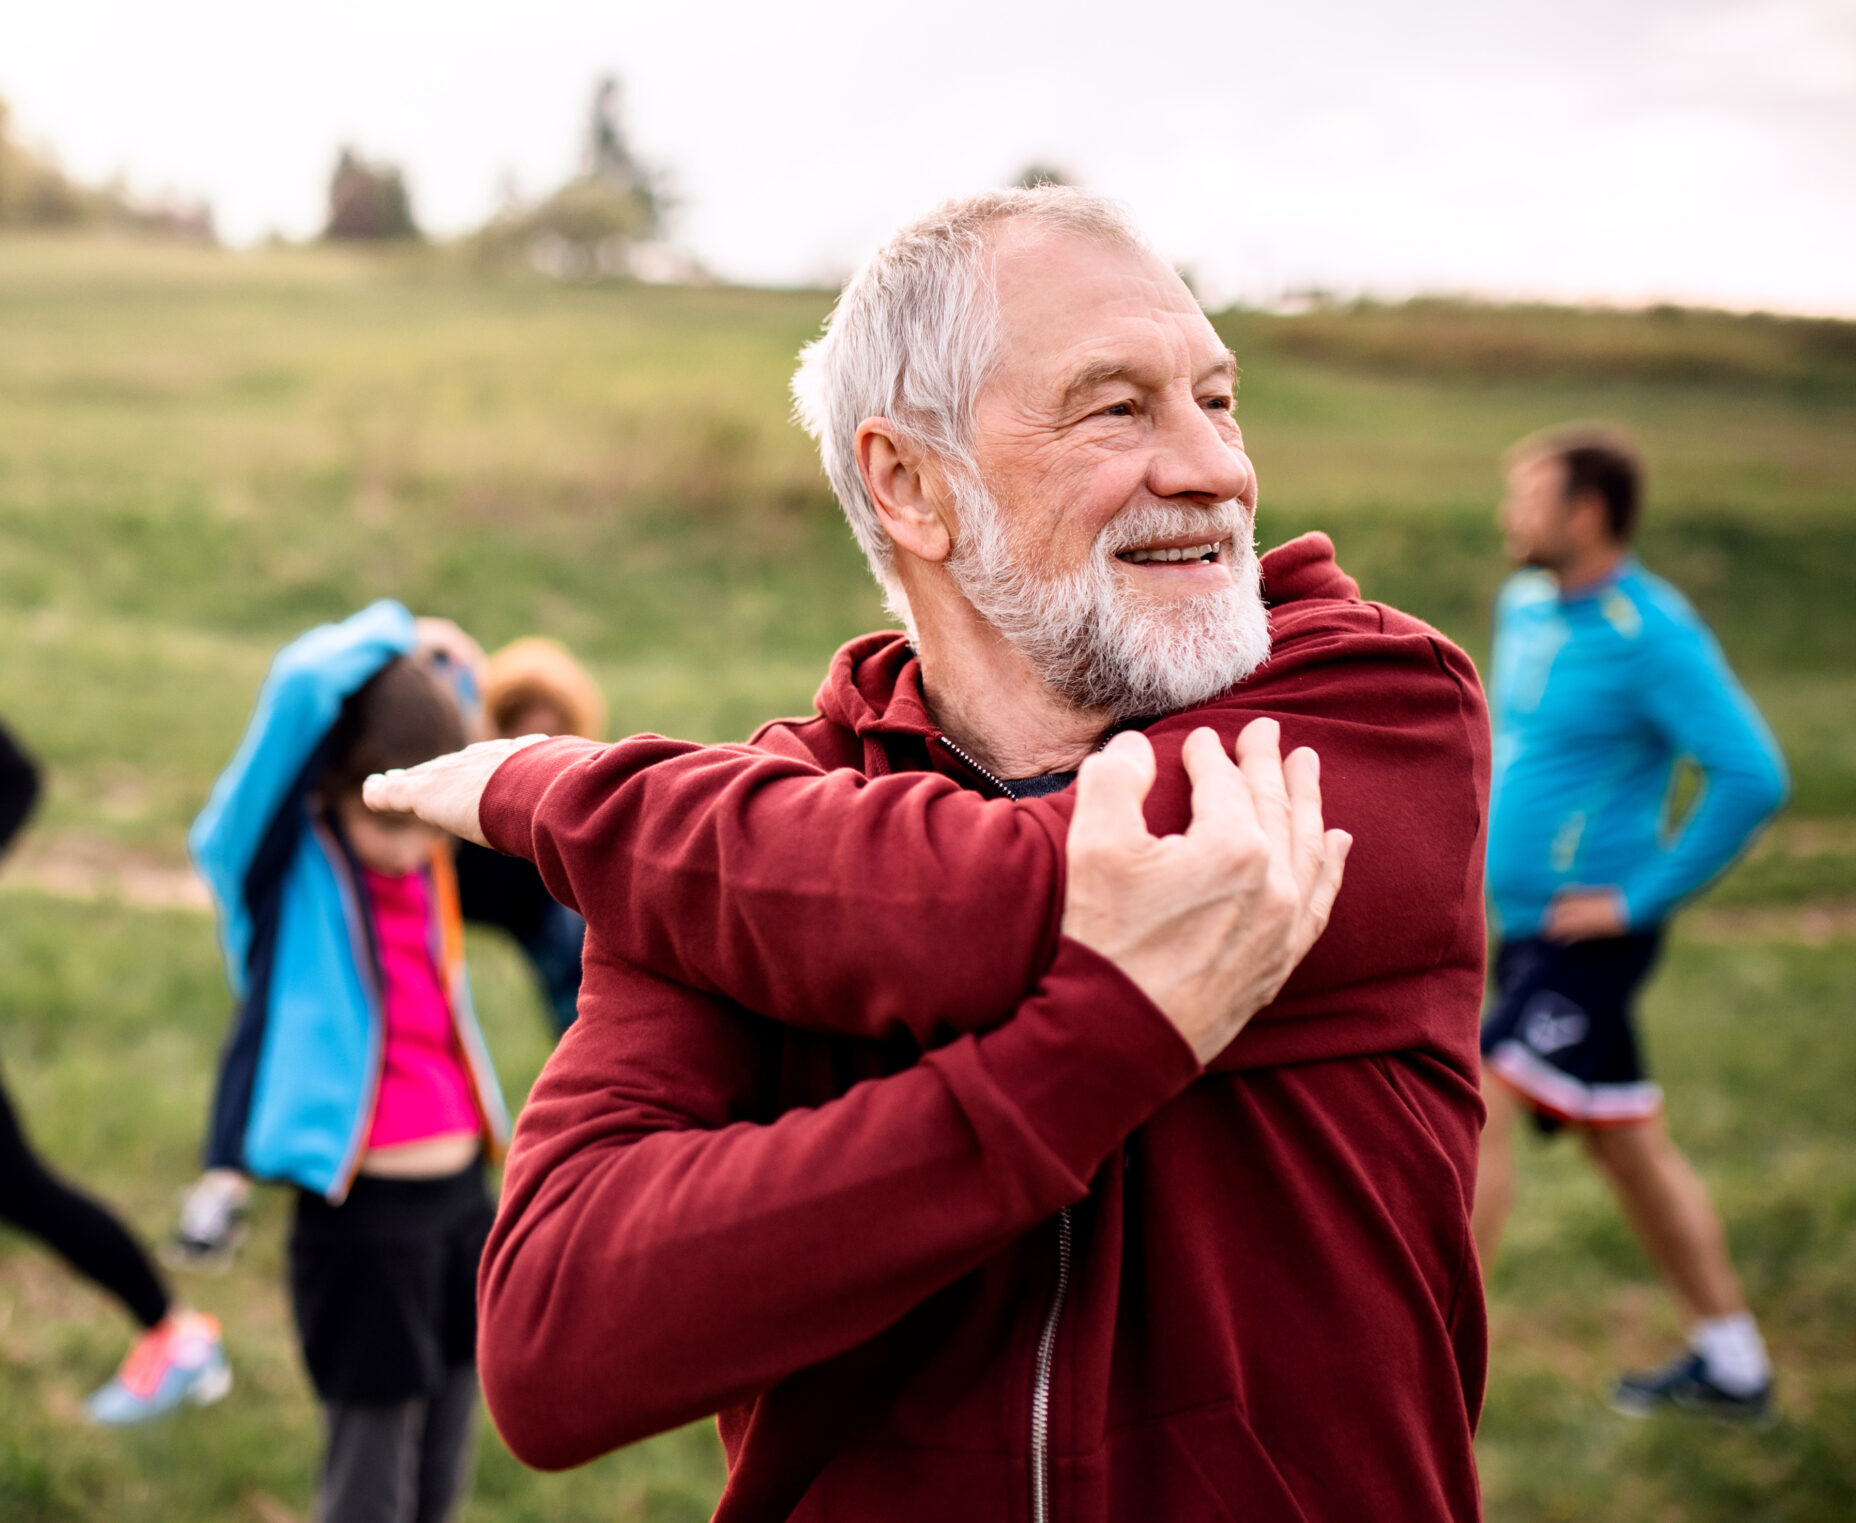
{"points": [[200, 453]]}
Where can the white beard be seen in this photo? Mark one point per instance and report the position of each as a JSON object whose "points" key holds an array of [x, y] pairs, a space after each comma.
{"points": [[1094, 640]]}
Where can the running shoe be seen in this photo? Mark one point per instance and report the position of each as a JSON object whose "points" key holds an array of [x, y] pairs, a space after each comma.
{"points": [[181, 1361], [1684, 1386], [211, 1227]]}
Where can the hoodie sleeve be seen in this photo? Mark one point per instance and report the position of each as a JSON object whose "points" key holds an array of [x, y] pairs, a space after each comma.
{"points": [[300, 699], [825, 899], [659, 1254]]}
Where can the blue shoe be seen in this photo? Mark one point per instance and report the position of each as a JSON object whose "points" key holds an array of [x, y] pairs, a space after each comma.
{"points": [[1683, 1385], [178, 1362]]}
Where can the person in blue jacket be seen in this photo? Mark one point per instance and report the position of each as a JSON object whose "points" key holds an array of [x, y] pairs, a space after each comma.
{"points": [[533, 685], [355, 1069], [1603, 683]]}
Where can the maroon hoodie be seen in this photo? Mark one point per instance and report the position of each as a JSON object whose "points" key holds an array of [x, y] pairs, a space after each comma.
{"points": [[934, 1206]]}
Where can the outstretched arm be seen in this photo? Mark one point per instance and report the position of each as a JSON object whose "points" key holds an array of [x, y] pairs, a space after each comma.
{"points": [[822, 898]]}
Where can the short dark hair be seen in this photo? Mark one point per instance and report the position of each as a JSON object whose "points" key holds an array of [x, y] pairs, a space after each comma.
{"points": [[1598, 459], [401, 716]]}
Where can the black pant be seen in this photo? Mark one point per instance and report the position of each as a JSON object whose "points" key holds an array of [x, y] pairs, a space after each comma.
{"points": [[400, 1461], [71, 1224], [384, 1286]]}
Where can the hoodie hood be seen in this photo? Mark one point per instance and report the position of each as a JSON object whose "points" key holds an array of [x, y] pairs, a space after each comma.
{"points": [[874, 684]]}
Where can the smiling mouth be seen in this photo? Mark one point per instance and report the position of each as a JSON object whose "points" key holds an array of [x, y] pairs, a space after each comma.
{"points": [[1202, 554]]}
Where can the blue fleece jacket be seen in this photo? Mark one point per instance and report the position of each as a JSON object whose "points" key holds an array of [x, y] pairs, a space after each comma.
{"points": [[300, 1068], [1595, 699]]}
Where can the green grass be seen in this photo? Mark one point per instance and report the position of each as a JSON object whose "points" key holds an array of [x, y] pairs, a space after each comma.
{"points": [[113, 1019], [201, 452], [1751, 1044]]}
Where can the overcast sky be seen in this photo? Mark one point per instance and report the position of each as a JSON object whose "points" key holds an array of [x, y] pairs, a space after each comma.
{"points": [[1625, 150]]}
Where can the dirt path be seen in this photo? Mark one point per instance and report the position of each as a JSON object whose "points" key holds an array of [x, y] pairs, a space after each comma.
{"points": [[70, 866], [1814, 924]]}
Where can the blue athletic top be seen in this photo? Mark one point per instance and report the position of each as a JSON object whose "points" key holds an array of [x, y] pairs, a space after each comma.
{"points": [[1595, 698]]}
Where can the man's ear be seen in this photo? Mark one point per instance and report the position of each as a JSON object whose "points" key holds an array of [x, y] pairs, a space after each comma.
{"points": [[1590, 518], [910, 492]]}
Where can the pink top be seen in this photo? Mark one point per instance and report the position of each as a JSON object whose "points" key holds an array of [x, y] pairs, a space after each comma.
{"points": [[425, 1089]]}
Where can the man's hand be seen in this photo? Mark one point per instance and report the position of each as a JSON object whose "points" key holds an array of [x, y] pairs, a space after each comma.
{"points": [[1211, 923], [1585, 914], [447, 790]]}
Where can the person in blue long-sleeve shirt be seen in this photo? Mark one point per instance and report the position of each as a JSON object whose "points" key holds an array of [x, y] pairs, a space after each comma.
{"points": [[1604, 685]]}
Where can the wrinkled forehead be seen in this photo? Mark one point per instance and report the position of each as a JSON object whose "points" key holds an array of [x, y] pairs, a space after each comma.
{"points": [[1067, 302]]}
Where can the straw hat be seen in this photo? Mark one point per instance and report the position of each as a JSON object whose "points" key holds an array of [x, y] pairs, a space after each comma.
{"points": [[541, 671]]}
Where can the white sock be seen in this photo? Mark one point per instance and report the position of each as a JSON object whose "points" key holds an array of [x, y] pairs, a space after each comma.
{"points": [[1734, 1352]]}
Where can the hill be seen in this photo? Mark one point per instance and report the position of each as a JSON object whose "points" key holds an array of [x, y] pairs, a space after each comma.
{"points": [[202, 452]]}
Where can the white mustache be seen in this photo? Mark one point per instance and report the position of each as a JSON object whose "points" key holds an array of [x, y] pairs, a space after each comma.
{"points": [[1142, 526]]}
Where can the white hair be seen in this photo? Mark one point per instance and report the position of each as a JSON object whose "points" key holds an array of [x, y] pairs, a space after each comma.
{"points": [[915, 336]]}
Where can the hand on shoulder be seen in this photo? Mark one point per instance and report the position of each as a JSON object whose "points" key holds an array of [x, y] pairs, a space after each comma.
{"points": [[1208, 924]]}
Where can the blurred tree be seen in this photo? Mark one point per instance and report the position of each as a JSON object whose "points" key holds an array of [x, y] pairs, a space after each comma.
{"points": [[599, 221], [36, 193], [607, 157], [1035, 174], [368, 201], [33, 191]]}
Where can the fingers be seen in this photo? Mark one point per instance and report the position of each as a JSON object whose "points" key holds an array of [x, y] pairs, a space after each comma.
{"points": [[1334, 847], [1111, 787], [1222, 803], [1556, 927], [385, 792], [446, 791], [1259, 758], [1307, 843], [442, 792], [397, 792]]}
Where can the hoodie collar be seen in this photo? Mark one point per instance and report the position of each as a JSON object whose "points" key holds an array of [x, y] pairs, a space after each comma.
{"points": [[874, 684]]}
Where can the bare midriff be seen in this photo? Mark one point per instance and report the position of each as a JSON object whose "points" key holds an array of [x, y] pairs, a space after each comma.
{"points": [[428, 1158]]}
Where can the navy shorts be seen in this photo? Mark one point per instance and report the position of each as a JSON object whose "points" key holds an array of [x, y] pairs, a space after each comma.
{"points": [[1560, 1030]]}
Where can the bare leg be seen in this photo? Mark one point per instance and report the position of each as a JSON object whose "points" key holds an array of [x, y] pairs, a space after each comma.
{"points": [[1671, 1212], [1495, 1168]]}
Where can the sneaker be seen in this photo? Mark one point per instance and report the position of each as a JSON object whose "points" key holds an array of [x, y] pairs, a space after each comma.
{"points": [[211, 1227], [180, 1361], [1683, 1384]]}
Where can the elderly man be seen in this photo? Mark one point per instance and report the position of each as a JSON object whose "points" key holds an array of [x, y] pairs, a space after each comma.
{"points": [[962, 1185]]}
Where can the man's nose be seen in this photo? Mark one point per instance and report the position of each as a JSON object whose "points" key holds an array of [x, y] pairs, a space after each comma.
{"points": [[1195, 455]]}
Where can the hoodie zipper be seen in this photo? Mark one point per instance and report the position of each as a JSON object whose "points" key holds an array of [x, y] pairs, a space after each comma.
{"points": [[1044, 1367], [974, 766], [1042, 1374]]}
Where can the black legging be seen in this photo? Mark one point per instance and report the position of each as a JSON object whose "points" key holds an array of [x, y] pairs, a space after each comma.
{"points": [[36, 1201]]}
